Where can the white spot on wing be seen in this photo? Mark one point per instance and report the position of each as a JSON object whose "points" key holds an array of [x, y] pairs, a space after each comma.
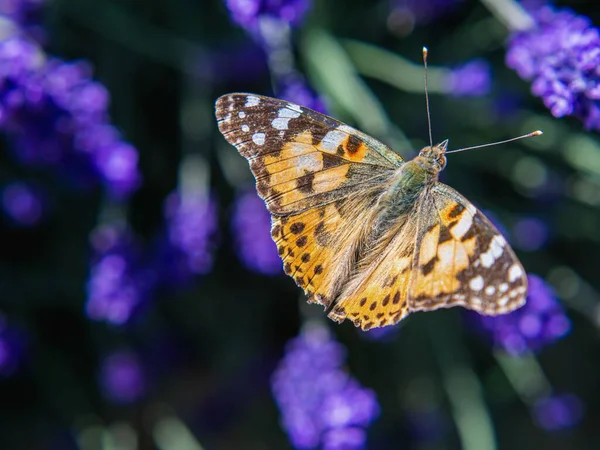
{"points": [[476, 283], [258, 138], [283, 117], [280, 123], [241, 114], [245, 128], [486, 260], [514, 272], [291, 114], [490, 290], [503, 287], [463, 225], [471, 209], [252, 100], [294, 107], [310, 162], [332, 140], [493, 252], [497, 245]]}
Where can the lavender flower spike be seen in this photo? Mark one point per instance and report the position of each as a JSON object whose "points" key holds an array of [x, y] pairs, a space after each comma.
{"points": [[557, 412], [121, 377], [321, 404], [561, 56], [251, 225], [472, 79], [246, 13], [119, 284], [191, 232]]}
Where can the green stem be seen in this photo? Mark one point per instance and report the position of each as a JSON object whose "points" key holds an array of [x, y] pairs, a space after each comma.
{"points": [[510, 13], [525, 375], [375, 62], [463, 388], [334, 71]]}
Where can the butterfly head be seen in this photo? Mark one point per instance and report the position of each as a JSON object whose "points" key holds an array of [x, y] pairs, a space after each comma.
{"points": [[434, 157]]}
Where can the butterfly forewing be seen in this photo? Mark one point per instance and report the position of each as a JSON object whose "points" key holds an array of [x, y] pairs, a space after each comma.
{"points": [[301, 159]]}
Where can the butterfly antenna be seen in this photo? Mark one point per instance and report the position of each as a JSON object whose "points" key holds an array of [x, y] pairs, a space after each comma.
{"points": [[427, 96], [532, 134]]}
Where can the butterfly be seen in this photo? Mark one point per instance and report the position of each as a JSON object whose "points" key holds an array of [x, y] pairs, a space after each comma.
{"points": [[363, 232]]}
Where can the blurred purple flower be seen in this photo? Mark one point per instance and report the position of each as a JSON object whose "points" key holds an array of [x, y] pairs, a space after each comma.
{"points": [[22, 204], [320, 403], [191, 232], [119, 283], [54, 115], [12, 347], [472, 79], [411, 12], [561, 56], [383, 334], [530, 234], [557, 412], [247, 13], [251, 225], [297, 91], [427, 422], [26, 13], [122, 378], [540, 322]]}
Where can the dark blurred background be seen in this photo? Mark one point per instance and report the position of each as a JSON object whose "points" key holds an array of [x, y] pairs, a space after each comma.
{"points": [[142, 303]]}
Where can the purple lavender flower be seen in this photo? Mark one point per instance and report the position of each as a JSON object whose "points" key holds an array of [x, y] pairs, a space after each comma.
{"points": [[297, 91], [540, 322], [319, 402], [247, 13], [469, 80], [54, 115], [383, 334], [561, 56], [530, 234], [22, 204], [191, 232], [119, 284], [122, 378], [26, 13], [557, 412], [251, 225], [410, 12]]}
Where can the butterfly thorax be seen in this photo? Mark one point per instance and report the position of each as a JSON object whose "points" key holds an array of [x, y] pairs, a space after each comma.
{"points": [[411, 179]]}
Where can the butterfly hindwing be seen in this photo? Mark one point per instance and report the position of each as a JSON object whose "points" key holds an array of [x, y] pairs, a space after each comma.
{"points": [[301, 159], [445, 253], [318, 246], [463, 259]]}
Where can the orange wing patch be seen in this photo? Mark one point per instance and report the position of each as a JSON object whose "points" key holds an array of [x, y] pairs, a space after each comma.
{"points": [[378, 295], [304, 244]]}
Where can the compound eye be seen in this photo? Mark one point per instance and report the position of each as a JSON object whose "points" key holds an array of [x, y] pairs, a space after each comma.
{"points": [[442, 161]]}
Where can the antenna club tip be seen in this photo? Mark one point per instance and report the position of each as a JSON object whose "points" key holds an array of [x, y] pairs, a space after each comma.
{"points": [[425, 50], [537, 133]]}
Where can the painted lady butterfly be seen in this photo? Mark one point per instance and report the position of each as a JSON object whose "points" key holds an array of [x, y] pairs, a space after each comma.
{"points": [[366, 234]]}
